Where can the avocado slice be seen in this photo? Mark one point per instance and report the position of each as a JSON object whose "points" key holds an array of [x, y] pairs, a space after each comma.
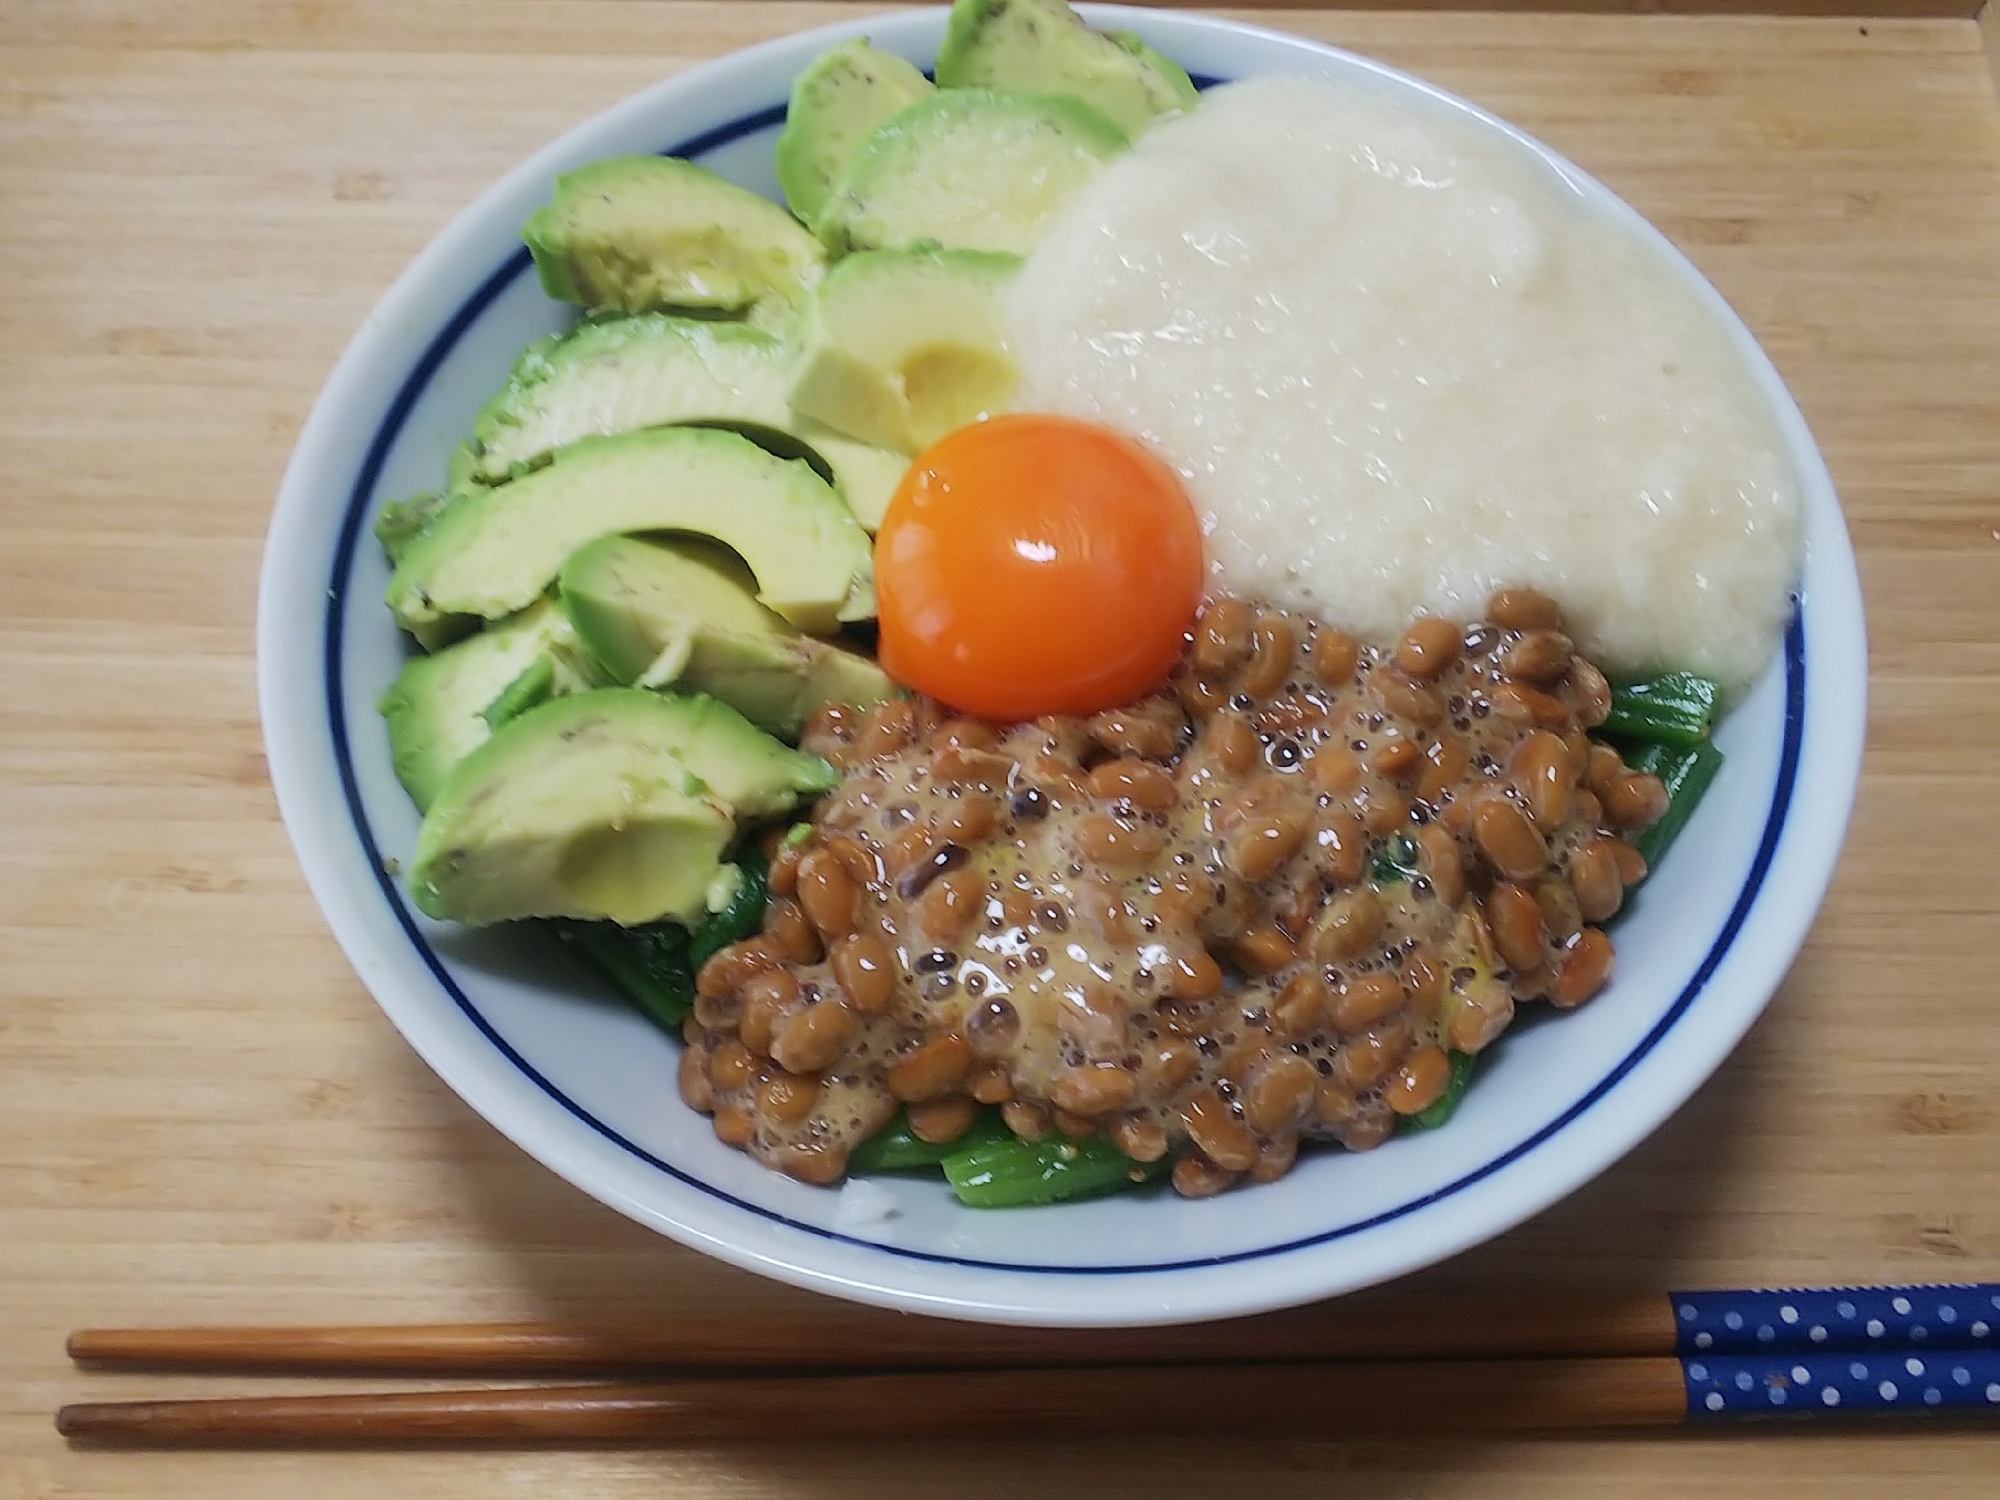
{"points": [[968, 169], [435, 709], [532, 688], [836, 105], [613, 804], [459, 469], [865, 475], [634, 233], [656, 369], [1043, 45], [685, 612], [578, 808], [494, 551], [621, 374], [898, 347], [403, 521], [398, 527], [1177, 76], [736, 762]]}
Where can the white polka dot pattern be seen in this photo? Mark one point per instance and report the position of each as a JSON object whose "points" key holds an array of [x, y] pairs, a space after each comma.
{"points": [[1729, 1386], [1835, 1352], [1836, 1320]]}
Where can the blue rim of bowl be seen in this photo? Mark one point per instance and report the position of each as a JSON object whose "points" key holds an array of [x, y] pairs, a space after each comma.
{"points": [[357, 509]]}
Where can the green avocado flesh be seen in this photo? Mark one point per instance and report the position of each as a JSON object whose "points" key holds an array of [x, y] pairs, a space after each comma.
{"points": [[1044, 46], [1178, 83], [899, 347], [534, 686], [656, 370], [655, 613], [615, 804], [835, 106], [866, 476], [968, 169], [737, 763], [578, 808], [403, 521], [492, 552], [435, 710], [623, 374], [635, 233]]}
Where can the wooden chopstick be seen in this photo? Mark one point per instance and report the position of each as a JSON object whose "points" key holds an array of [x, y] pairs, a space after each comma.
{"points": [[1338, 1369], [836, 1337], [1303, 1401]]}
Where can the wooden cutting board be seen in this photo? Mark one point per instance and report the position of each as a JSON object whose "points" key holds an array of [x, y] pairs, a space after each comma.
{"points": [[204, 1118]]}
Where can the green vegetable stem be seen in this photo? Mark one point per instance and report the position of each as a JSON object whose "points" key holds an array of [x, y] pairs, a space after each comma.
{"points": [[1686, 774], [654, 967], [1675, 708], [896, 1148], [1012, 1173], [647, 965], [743, 917]]}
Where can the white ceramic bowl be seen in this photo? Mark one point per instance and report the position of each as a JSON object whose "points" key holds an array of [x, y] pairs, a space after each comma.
{"points": [[587, 1086]]}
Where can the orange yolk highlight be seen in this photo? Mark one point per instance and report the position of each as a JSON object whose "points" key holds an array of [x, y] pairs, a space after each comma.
{"points": [[1035, 565]]}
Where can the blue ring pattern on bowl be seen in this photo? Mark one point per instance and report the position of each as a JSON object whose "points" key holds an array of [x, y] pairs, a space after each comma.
{"points": [[350, 531]]}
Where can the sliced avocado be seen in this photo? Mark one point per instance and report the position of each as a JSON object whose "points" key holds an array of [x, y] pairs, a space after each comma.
{"points": [[737, 762], [402, 521], [578, 808], [432, 635], [494, 551], [533, 687], [1043, 45], [623, 374], [619, 375], [435, 709], [460, 469], [435, 635], [968, 169], [1176, 76], [865, 475], [836, 105], [634, 233], [898, 347], [682, 612], [645, 608], [841, 676]]}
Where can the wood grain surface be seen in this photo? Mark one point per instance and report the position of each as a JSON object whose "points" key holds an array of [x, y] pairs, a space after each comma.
{"points": [[203, 1117]]}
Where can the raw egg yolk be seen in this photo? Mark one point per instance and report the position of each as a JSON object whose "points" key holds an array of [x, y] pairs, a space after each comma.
{"points": [[1035, 565]]}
